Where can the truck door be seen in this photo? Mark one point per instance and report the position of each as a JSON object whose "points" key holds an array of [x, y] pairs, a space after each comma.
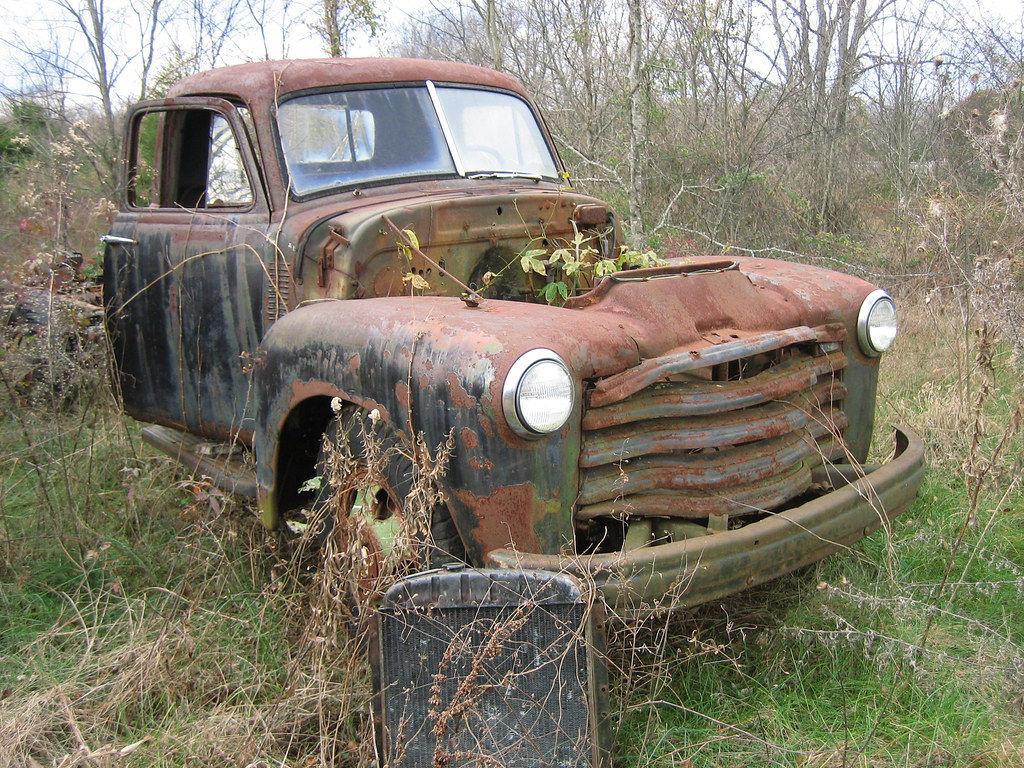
{"points": [[183, 270]]}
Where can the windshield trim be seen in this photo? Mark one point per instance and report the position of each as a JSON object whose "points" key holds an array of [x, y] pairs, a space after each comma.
{"points": [[446, 130], [388, 180]]}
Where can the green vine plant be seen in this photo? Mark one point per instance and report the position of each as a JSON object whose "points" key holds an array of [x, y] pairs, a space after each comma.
{"points": [[570, 269], [578, 265], [415, 281]]}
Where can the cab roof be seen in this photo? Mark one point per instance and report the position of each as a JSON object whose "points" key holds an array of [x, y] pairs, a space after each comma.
{"points": [[266, 80]]}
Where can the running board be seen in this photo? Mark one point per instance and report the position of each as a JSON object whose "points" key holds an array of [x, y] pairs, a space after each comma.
{"points": [[222, 463]]}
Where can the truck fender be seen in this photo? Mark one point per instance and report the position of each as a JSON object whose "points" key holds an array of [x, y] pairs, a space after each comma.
{"points": [[432, 366]]}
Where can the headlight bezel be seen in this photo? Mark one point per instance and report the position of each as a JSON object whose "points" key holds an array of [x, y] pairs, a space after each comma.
{"points": [[871, 301], [514, 379]]}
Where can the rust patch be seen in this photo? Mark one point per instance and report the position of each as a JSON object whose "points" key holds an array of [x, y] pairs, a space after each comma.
{"points": [[460, 397], [402, 394], [469, 439], [505, 518]]}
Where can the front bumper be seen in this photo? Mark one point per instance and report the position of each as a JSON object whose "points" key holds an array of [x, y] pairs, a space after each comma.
{"points": [[698, 570]]}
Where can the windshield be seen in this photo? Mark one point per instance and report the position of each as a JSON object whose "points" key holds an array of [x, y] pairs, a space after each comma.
{"points": [[346, 138], [495, 132]]}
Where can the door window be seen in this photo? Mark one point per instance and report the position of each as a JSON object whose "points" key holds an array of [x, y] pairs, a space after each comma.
{"points": [[187, 158]]}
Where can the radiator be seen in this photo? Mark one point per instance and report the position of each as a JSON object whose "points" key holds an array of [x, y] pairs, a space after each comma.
{"points": [[490, 668]]}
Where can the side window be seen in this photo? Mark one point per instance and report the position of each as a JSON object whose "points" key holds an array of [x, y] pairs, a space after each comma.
{"points": [[186, 158], [226, 183], [142, 189]]}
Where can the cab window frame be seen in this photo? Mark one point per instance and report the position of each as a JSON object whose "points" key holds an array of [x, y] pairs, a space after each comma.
{"points": [[168, 158]]}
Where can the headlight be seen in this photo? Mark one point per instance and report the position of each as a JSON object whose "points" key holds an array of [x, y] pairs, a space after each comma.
{"points": [[877, 323], [538, 394]]}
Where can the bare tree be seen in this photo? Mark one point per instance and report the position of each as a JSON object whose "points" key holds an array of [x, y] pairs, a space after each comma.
{"points": [[338, 19], [637, 116]]}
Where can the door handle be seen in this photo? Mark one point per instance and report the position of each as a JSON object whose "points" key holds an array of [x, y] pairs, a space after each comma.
{"points": [[115, 240]]}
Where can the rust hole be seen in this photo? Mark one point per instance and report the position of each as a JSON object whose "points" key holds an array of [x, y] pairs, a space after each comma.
{"points": [[499, 210]]}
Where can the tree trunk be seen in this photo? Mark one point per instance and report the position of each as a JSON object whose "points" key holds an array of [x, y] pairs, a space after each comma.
{"points": [[637, 123]]}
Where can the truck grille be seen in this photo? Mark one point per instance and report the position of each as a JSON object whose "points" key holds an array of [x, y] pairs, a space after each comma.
{"points": [[733, 429]]}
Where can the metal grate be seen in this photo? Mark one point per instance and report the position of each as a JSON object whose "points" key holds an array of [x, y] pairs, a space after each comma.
{"points": [[735, 429], [279, 288], [486, 669]]}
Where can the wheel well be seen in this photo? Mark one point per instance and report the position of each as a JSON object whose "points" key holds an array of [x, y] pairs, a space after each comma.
{"points": [[298, 448]]}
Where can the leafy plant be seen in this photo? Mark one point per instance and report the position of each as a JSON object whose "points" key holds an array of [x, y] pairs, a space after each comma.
{"points": [[578, 264], [415, 279]]}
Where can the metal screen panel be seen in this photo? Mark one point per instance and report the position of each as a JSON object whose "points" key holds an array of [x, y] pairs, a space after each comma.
{"points": [[486, 668]]}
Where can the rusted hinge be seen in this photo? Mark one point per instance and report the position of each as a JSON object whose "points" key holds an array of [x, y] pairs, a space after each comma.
{"points": [[334, 239]]}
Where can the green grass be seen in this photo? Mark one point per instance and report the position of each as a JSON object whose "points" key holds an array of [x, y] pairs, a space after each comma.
{"points": [[827, 667], [129, 608]]}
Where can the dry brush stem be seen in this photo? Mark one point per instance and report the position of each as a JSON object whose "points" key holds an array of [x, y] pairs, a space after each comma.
{"points": [[357, 567]]}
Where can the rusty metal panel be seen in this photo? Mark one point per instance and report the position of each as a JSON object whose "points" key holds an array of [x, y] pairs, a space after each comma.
{"points": [[699, 398], [183, 303], [707, 449], [431, 365], [630, 382], [667, 435], [706, 470], [759, 496]]}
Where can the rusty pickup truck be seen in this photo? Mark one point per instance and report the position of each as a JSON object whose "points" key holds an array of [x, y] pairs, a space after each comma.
{"points": [[298, 234]]}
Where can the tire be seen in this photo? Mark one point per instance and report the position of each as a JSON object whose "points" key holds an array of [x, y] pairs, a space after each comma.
{"points": [[356, 434]]}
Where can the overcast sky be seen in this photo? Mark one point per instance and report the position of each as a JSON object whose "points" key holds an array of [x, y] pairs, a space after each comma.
{"points": [[30, 27]]}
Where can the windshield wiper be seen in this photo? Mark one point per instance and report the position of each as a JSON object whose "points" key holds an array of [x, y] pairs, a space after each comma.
{"points": [[503, 175]]}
